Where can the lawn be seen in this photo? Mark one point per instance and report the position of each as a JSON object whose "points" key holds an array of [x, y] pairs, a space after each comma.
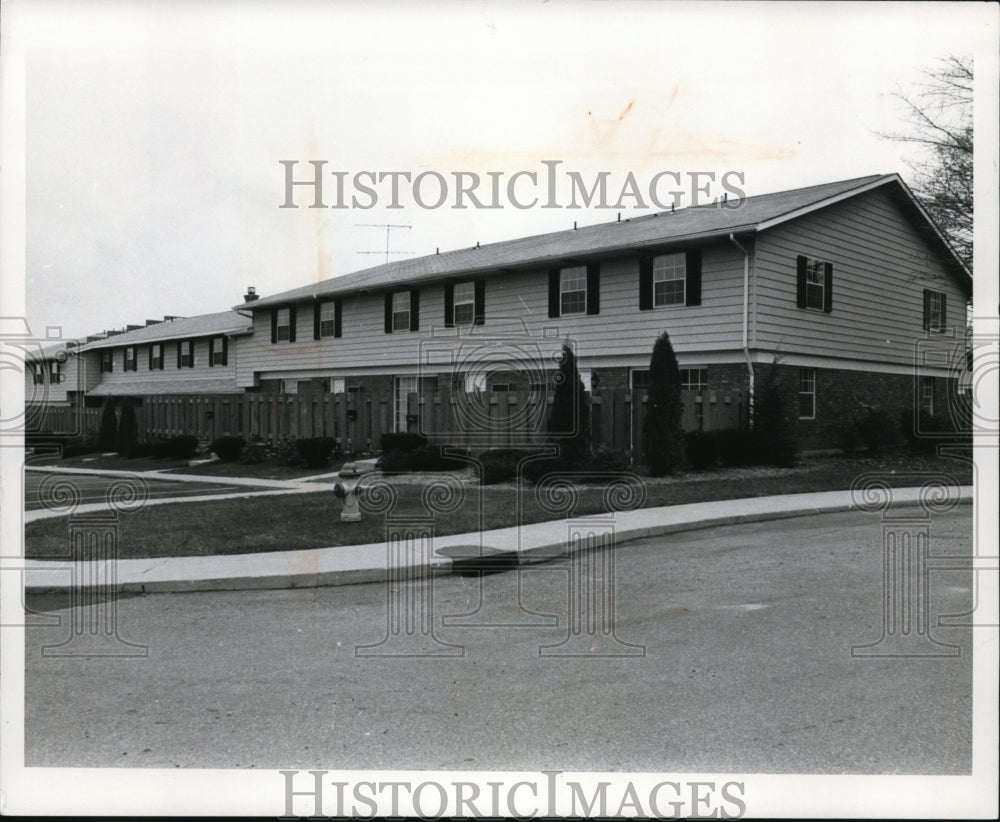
{"points": [[296, 521]]}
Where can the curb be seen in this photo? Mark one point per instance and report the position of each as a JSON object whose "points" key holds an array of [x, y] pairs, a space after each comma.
{"points": [[358, 564]]}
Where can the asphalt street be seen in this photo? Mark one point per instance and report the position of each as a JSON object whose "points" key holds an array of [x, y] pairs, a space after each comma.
{"points": [[737, 656]]}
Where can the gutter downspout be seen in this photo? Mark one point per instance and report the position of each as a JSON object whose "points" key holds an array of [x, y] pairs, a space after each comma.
{"points": [[746, 325]]}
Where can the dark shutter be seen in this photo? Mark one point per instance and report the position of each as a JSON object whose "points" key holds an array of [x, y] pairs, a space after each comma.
{"points": [[692, 270], [554, 292], [480, 307], [927, 310], [291, 323], [180, 349], [211, 352], [388, 312], [593, 289], [225, 351], [828, 287], [316, 311], [274, 325], [190, 345], [801, 281], [944, 311], [150, 357], [414, 309], [449, 305], [645, 282], [336, 318]]}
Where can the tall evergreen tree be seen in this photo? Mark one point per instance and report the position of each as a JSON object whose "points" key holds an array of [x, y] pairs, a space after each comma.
{"points": [[107, 436], [569, 419], [128, 431], [664, 436]]}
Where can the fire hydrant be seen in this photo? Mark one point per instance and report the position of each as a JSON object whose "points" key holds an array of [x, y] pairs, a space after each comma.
{"points": [[347, 489]]}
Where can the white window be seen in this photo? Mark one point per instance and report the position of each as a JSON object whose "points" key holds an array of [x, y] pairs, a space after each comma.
{"points": [[156, 356], [669, 273], [218, 350], [475, 381], [404, 387], [289, 386], [401, 314], [927, 395], [38, 374], [107, 361], [586, 378], [815, 284], [573, 290], [186, 353], [935, 311], [336, 385], [694, 379], [465, 303], [130, 358], [284, 324], [327, 319], [807, 393]]}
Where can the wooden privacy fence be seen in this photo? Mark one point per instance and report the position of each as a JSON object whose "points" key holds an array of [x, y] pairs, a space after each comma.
{"points": [[475, 420]]}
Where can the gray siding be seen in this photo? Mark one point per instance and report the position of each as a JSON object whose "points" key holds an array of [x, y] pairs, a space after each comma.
{"points": [[209, 379], [620, 329], [880, 268]]}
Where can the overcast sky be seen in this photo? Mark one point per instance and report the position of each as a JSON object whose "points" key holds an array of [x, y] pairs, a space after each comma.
{"points": [[154, 131]]}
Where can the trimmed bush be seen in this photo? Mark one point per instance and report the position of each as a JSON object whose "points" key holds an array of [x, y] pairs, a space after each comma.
{"points": [[182, 447], [665, 438], [500, 464], [77, 446], [593, 469], [737, 447], [608, 459], [934, 430], [107, 436], [316, 451], [569, 418], [128, 433], [427, 458], [774, 431], [227, 449], [402, 441], [700, 449]]}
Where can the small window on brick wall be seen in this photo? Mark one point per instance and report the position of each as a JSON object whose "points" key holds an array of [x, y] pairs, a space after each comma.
{"points": [[807, 393], [694, 379]]}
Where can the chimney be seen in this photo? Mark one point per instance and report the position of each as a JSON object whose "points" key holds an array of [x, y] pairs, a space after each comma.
{"points": [[131, 327], [251, 294], [153, 322]]}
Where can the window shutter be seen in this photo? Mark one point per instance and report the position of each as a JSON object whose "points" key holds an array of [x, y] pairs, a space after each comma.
{"points": [[480, 306], [316, 309], [163, 355], [828, 287], [944, 311], [692, 288], [593, 289], [150, 358], [801, 281], [211, 352], [274, 325], [225, 350], [554, 292], [388, 312], [927, 310], [449, 305], [337, 305], [414, 309], [180, 349], [190, 345], [645, 282]]}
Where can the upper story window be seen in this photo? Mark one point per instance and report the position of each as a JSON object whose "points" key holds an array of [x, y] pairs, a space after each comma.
{"points": [[185, 354], [465, 303], [130, 360], [572, 290], [807, 393], [284, 324], [694, 379], [669, 275], [218, 351], [927, 395], [935, 311], [815, 284], [107, 361], [328, 319], [156, 357], [37, 374], [402, 310], [667, 280]]}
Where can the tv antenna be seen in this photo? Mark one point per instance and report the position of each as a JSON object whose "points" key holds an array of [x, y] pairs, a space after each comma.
{"points": [[388, 231]]}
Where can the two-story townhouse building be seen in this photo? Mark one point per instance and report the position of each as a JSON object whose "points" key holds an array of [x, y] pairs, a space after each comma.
{"points": [[839, 284]]}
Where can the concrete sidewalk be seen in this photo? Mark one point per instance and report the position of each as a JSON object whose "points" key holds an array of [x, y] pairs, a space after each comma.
{"points": [[349, 564]]}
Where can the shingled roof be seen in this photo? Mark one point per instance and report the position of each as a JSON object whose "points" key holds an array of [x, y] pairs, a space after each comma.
{"points": [[696, 223], [181, 328]]}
